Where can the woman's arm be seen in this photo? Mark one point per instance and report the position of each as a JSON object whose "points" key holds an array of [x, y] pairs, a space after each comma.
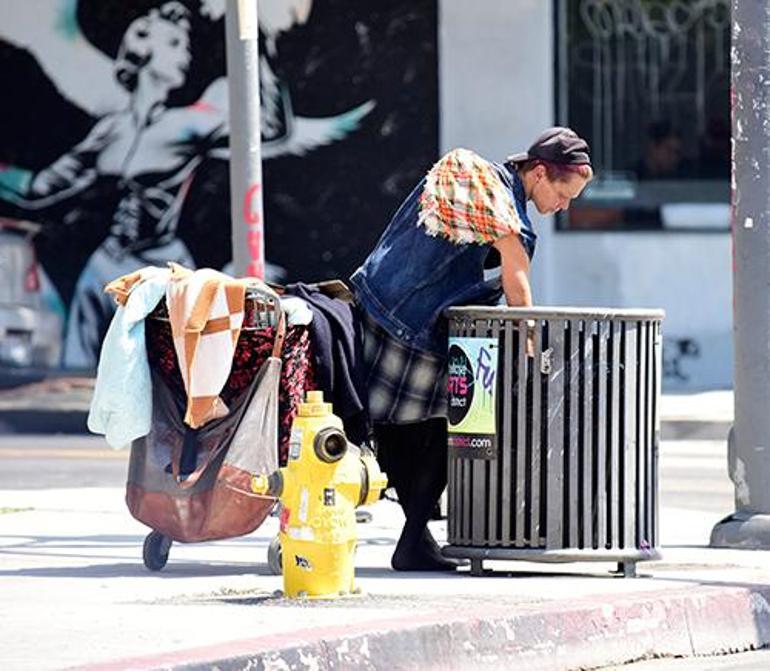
{"points": [[65, 177], [515, 271]]}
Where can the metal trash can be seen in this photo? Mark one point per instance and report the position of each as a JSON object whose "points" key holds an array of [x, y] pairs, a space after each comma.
{"points": [[553, 435]]}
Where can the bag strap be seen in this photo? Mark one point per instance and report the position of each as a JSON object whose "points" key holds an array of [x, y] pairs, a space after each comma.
{"points": [[280, 334], [192, 478]]}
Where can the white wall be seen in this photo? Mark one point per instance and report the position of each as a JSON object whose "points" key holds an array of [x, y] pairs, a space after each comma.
{"points": [[688, 275], [496, 68], [496, 87]]}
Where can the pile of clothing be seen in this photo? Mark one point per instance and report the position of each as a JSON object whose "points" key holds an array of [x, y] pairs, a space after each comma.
{"points": [[206, 339]]}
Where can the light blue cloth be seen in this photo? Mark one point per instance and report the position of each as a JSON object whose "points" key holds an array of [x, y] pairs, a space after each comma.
{"points": [[121, 407]]}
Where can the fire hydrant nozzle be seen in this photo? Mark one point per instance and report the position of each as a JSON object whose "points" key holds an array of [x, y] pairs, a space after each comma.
{"points": [[330, 445], [268, 485]]}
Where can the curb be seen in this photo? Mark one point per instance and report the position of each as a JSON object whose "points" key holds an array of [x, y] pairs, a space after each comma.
{"points": [[592, 632]]}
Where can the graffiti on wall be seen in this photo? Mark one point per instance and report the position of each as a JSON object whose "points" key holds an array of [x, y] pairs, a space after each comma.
{"points": [[117, 138], [678, 354], [640, 61]]}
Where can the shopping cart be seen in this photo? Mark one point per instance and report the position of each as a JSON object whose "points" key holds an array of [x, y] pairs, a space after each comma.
{"points": [[190, 485]]}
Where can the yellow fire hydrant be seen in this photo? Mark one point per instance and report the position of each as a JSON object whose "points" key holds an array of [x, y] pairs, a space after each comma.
{"points": [[325, 479]]}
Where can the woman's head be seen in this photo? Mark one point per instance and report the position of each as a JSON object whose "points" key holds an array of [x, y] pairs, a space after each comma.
{"points": [[158, 41], [553, 186], [555, 169]]}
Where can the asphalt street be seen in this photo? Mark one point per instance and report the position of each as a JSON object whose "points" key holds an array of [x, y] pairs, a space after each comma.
{"points": [[693, 472]]}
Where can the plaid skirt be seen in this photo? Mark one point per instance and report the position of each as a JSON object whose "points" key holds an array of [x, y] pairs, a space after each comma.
{"points": [[405, 385]]}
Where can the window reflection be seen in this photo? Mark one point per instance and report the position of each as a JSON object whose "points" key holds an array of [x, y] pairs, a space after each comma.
{"points": [[647, 83]]}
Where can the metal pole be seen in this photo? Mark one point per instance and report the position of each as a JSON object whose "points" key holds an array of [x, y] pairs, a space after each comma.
{"points": [[247, 226], [749, 443]]}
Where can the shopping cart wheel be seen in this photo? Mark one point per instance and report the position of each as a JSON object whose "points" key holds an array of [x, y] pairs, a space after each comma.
{"points": [[155, 551], [275, 557]]}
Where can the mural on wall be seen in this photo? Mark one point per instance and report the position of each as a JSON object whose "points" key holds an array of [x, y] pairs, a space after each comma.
{"points": [[117, 137]]}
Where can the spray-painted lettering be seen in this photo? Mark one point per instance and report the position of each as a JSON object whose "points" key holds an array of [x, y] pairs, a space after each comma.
{"points": [[252, 210], [485, 371]]}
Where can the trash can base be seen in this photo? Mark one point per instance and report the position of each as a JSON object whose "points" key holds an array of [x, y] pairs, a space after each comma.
{"points": [[477, 567], [626, 560], [627, 569]]}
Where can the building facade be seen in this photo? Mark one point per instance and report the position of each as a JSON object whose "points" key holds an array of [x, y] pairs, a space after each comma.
{"points": [[623, 73], [116, 142]]}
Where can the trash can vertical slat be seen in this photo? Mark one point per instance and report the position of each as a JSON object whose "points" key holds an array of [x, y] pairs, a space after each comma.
{"points": [[646, 453], [600, 437], [460, 486], [614, 421], [534, 438], [588, 432], [478, 494], [506, 447], [465, 478], [630, 443], [458, 498], [641, 432], [650, 428], [657, 372], [466, 503], [492, 465], [451, 503], [573, 498], [554, 432], [521, 437]]}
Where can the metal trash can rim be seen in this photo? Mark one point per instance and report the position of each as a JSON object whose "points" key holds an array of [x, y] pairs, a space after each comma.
{"points": [[555, 312]]}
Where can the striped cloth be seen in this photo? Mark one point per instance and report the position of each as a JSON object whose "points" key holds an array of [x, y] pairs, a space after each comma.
{"points": [[206, 311], [405, 385], [465, 201]]}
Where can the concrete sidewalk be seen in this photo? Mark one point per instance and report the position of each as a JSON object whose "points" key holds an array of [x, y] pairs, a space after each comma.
{"points": [[60, 405], [74, 593]]}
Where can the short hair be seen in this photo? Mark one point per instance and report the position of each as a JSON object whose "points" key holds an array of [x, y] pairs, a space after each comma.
{"points": [[130, 60], [559, 172]]}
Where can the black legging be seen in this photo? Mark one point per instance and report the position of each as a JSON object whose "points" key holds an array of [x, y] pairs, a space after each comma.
{"points": [[415, 458]]}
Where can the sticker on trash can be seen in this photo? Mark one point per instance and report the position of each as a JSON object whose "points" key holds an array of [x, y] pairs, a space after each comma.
{"points": [[472, 397]]}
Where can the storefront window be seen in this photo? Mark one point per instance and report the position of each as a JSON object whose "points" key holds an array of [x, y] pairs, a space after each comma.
{"points": [[646, 82]]}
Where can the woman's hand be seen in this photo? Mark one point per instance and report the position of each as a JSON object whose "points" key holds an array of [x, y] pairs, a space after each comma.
{"points": [[63, 173]]}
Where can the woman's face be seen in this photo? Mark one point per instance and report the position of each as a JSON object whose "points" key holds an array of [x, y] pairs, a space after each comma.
{"points": [[166, 45], [552, 196]]}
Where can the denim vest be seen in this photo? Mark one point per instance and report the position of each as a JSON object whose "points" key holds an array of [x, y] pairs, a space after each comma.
{"points": [[410, 277]]}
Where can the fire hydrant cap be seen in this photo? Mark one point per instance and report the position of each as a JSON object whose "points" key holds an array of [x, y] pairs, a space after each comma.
{"points": [[314, 405]]}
